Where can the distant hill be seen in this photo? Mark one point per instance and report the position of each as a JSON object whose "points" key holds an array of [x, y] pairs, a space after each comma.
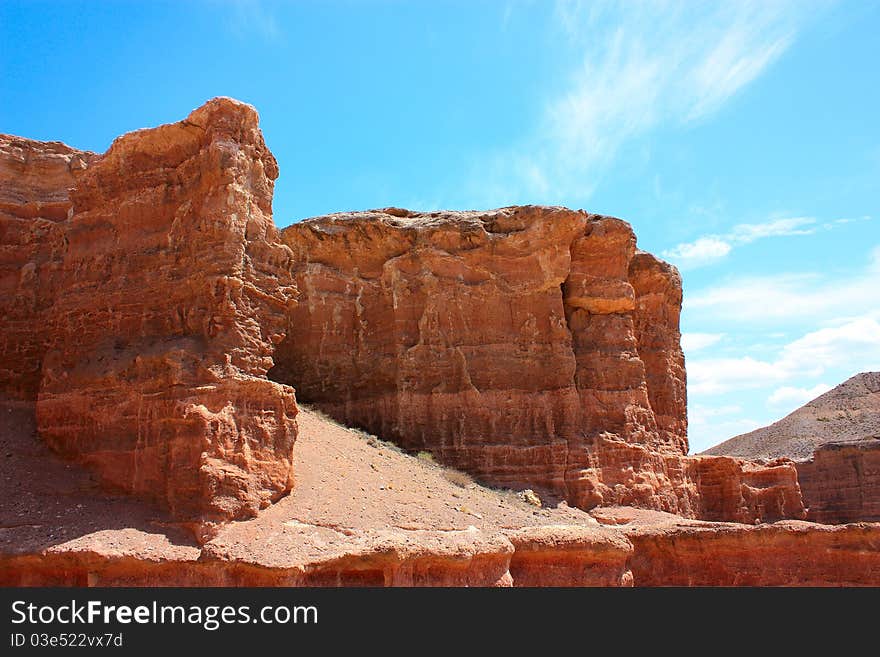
{"points": [[849, 412]]}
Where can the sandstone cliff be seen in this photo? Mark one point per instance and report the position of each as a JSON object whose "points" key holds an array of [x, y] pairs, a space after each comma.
{"points": [[35, 179], [148, 302], [530, 346]]}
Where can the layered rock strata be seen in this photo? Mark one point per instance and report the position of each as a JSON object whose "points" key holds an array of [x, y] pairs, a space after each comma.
{"points": [[149, 309], [530, 346], [841, 483], [670, 551], [35, 179]]}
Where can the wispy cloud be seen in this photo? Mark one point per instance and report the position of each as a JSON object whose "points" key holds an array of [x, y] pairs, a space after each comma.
{"points": [[640, 64], [711, 248], [793, 397], [853, 345], [790, 296], [691, 342], [249, 18]]}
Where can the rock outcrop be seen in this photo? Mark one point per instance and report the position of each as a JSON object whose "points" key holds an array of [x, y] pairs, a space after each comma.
{"points": [[841, 482], [533, 347], [835, 441], [156, 324], [671, 551], [35, 179], [148, 303]]}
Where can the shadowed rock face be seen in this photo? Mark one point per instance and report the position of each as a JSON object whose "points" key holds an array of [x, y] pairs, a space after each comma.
{"points": [[530, 346], [154, 294]]}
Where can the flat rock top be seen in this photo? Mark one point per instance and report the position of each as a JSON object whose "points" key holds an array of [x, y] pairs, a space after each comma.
{"points": [[500, 221], [847, 413]]}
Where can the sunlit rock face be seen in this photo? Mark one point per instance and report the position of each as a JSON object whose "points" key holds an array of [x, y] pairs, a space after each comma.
{"points": [[530, 346], [150, 291]]}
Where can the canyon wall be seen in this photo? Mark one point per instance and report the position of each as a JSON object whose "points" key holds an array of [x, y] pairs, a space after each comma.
{"points": [[35, 179], [530, 346], [841, 483], [147, 312]]}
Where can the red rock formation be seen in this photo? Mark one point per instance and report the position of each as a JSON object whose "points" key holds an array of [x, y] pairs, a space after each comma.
{"points": [[787, 553], [35, 178], [168, 292], [657, 287], [529, 346], [835, 440], [841, 483], [570, 556]]}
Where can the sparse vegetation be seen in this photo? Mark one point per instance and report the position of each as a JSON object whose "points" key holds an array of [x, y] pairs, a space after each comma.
{"points": [[530, 497], [426, 457], [371, 439], [459, 478]]}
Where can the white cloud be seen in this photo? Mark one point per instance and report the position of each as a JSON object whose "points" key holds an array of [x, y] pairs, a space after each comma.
{"points": [[789, 297], [701, 251], [791, 396], [853, 346], [702, 414], [639, 65], [710, 248], [855, 343], [691, 342], [708, 426], [718, 375], [746, 233]]}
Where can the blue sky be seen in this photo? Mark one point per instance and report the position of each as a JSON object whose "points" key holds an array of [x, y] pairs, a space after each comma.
{"points": [[740, 139]]}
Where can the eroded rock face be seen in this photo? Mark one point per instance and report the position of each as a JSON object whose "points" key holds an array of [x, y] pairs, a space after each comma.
{"points": [[788, 553], [530, 346], [167, 290], [841, 483], [35, 179], [658, 291]]}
